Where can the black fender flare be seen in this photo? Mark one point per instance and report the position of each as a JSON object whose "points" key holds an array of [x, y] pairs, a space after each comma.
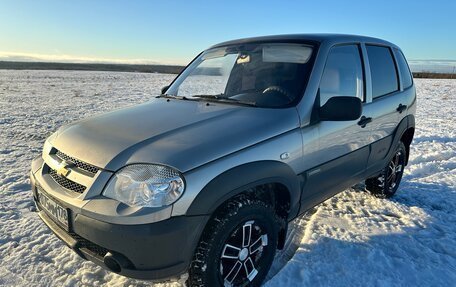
{"points": [[410, 121], [238, 179], [406, 123]]}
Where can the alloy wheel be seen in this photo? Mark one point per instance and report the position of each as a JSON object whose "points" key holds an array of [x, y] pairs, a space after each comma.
{"points": [[394, 171], [242, 254]]}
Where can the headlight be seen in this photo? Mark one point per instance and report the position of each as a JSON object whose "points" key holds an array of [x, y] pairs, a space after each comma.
{"points": [[145, 185]]}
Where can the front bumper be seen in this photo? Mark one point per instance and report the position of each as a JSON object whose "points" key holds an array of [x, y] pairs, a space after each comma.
{"points": [[153, 251]]}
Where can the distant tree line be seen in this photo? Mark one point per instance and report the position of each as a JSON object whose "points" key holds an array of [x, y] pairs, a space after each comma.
{"points": [[430, 75], [165, 69]]}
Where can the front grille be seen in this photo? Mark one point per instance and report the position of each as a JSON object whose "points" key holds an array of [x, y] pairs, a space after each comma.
{"points": [[80, 164], [92, 247], [66, 183]]}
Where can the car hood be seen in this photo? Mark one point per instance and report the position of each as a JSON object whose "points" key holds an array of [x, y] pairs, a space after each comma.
{"points": [[182, 134]]}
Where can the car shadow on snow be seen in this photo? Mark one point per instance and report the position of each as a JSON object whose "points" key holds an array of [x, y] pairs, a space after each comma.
{"points": [[421, 254], [412, 258]]}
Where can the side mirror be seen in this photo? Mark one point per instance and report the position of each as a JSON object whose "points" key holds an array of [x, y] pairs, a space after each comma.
{"points": [[164, 89], [341, 109]]}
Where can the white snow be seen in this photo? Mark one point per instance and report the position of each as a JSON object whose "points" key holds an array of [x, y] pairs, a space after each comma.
{"points": [[352, 239]]}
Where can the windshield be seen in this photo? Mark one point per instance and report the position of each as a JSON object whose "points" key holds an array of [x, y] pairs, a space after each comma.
{"points": [[264, 75]]}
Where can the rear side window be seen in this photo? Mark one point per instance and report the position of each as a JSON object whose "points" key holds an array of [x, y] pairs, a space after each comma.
{"points": [[406, 77], [343, 74], [383, 70]]}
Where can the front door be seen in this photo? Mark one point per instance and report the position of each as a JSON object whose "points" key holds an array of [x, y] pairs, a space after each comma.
{"points": [[343, 146]]}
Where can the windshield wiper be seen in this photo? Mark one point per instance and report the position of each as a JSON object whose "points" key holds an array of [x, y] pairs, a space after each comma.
{"points": [[210, 98], [172, 97], [220, 98]]}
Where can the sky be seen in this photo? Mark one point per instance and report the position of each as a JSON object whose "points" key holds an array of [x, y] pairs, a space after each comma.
{"points": [[173, 32]]}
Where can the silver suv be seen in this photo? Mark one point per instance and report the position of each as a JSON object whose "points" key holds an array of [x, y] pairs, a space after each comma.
{"points": [[205, 177]]}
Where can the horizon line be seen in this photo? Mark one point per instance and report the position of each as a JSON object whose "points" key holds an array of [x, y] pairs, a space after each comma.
{"points": [[72, 59]]}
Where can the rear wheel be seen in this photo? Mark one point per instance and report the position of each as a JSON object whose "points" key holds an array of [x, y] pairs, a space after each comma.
{"points": [[387, 182], [238, 246]]}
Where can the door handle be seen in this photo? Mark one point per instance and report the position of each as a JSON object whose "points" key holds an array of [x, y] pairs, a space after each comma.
{"points": [[401, 108], [364, 121]]}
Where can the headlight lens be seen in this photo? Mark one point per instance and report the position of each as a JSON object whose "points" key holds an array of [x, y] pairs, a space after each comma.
{"points": [[145, 185]]}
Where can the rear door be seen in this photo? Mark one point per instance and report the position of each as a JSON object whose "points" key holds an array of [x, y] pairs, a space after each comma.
{"points": [[343, 146], [386, 100]]}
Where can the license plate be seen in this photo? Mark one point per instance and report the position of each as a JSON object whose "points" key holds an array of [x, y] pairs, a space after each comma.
{"points": [[57, 212]]}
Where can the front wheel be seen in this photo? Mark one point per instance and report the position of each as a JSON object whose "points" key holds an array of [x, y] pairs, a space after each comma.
{"points": [[386, 184], [238, 246]]}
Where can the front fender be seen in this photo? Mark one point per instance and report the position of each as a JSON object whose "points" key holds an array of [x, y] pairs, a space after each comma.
{"points": [[238, 179]]}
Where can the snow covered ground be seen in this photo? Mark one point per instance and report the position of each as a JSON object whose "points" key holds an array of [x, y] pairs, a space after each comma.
{"points": [[352, 239]]}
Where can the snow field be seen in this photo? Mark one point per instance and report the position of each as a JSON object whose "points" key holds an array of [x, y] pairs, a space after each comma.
{"points": [[352, 239]]}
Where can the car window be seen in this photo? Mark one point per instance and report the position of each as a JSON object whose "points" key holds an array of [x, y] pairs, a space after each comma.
{"points": [[406, 76], [210, 77], [383, 70], [343, 74], [269, 75]]}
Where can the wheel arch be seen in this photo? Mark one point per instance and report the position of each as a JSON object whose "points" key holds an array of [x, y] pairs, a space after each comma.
{"points": [[404, 131], [407, 135], [245, 178]]}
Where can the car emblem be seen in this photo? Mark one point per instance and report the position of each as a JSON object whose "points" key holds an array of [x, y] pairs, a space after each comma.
{"points": [[63, 169]]}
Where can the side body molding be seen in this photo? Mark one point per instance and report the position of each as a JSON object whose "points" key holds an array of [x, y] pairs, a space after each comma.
{"points": [[243, 177]]}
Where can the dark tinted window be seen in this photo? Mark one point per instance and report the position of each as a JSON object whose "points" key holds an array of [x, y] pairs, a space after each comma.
{"points": [[383, 70], [406, 77], [343, 74]]}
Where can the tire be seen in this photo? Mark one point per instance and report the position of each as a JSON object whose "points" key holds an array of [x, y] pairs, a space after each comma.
{"points": [[226, 256], [387, 182]]}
